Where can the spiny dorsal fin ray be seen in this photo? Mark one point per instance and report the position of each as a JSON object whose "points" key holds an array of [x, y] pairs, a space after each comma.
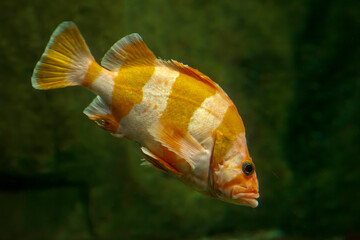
{"points": [[185, 69], [130, 50]]}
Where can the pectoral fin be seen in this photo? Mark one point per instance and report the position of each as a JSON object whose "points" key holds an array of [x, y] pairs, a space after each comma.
{"points": [[178, 141], [158, 162]]}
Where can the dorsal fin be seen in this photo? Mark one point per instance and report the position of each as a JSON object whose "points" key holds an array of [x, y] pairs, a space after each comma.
{"points": [[130, 50], [185, 69]]}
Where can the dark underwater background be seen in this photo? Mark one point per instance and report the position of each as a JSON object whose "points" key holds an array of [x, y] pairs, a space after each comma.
{"points": [[292, 67]]}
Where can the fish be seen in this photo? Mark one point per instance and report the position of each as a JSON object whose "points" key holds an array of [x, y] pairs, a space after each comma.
{"points": [[184, 123]]}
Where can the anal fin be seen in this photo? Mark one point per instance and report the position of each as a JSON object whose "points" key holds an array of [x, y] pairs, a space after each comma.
{"points": [[100, 112]]}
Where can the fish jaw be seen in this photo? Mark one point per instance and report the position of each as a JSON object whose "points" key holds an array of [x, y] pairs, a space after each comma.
{"points": [[246, 199], [237, 197], [232, 186], [246, 194]]}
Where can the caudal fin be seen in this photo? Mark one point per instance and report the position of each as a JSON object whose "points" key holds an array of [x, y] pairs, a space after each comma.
{"points": [[65, 61]]}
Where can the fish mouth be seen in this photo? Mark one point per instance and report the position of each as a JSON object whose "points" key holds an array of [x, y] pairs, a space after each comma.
{"points": [[247, 199]]}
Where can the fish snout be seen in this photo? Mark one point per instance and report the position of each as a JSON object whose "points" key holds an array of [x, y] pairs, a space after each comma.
{"points": [[241, 190], [247, 198]]}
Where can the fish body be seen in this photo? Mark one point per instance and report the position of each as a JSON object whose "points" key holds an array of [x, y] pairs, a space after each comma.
{"points": [[184, 122]]}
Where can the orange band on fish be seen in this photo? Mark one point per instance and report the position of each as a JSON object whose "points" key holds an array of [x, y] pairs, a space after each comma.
{"points": [[91, 75]]}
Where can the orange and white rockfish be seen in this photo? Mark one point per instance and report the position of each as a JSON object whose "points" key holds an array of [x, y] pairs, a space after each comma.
{"points": [[184, 122]]}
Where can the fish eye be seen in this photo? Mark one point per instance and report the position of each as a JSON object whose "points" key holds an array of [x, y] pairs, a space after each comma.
{"points": [[248, 168]]}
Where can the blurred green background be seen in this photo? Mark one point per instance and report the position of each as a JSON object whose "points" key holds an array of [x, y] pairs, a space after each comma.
{"points": [[292, 67]]}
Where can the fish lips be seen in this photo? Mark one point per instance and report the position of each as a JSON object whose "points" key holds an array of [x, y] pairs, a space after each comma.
{"points": [[247, 199]]}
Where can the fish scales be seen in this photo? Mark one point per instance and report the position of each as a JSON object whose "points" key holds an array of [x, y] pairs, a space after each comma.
{"points": [[185, 123], [186, 97], [129, 84]]}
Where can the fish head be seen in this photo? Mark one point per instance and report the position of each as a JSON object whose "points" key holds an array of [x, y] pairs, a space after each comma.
{"points": [[234, 178]]}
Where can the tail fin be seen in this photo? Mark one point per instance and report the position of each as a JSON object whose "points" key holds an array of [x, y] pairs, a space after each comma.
{"points": [[65, 61]]}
